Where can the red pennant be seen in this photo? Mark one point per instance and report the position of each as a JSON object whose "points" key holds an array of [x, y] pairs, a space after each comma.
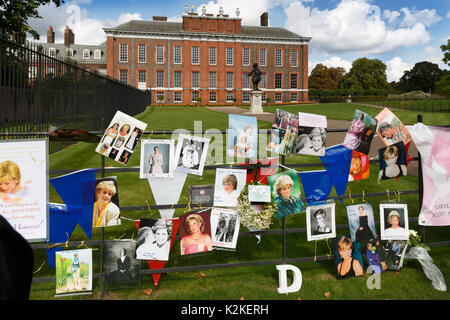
{"points": [[262, 173], [408, 158], [157, 264]]}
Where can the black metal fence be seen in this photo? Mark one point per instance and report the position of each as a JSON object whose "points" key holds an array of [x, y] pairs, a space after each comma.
{"points": [[38, 90]]}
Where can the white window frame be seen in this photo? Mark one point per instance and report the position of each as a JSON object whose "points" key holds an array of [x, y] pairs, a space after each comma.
{"points": [[123, 52], [159, 54], [245, 81], [229, 80], [195, 55], [278, 57], [296, 81], [195, 79], [212, 56], [52, 52], [86, 54], [177, 55], [280, 86], [177, 79], [159, 81], [195, 94], [125, 72], [262, 57], [142, 84], [229, 53], [245, 56], [213, 80], [229, 96], [263, 82], [212, 96], [245, 96], [296, 97], [142, 53], [177, 96], [278, 97], [97, 54], [32, 72], [294, 58]]}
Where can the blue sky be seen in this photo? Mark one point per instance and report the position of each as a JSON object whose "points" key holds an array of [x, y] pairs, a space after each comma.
{"points": [[400, 33]]}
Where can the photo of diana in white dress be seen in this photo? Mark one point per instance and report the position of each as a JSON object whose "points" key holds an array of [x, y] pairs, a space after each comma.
{"points": [[156, 161]]}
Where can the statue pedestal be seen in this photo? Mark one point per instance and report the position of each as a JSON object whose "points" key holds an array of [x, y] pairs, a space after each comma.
{"points": [[256, 102]]}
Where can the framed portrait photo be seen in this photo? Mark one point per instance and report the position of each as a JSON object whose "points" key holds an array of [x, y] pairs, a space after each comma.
{"points": [[191, 153], [285, 188], [195, 233], [390, 129], [242, 137], [228, 186], [106, 212], [392, 161], [361, 222], [157, 159], [121, 137], [394, 221], [312, 133], [320, 221], [224, 228], [154, 238], [24, 189], [122, 269]]}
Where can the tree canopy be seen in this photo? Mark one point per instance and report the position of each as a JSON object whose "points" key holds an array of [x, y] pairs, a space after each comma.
{"points": [[422, 76], [366, 74], [325, 78], [14, 15]]}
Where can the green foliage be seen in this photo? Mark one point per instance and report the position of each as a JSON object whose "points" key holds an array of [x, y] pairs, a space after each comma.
{"points": [[422, 76], [366, 74], [15, 15], [443, 85], [446, 50], [325, 78]]}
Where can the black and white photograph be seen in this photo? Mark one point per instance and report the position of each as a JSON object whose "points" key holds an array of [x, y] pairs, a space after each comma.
{"points": [[320, 221], [201, 196], [156, 159], [122, 269], [394, 221], [259, 193], [121, 137], [396, 250], [224, 228], [228, 186], [312, 132], [191, 154], [153, 241]]}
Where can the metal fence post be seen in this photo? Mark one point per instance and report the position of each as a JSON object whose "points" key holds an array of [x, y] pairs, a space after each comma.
{"points": [[283, 219], [419, 160]]}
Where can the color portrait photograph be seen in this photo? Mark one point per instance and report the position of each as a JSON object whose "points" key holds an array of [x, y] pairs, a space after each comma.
{"points": [[106, 212], [390, 129], [359, 167], [242, 136], [285, 188], [392, 160], [156, 159], [360, 134], [122, 269], [361, 222], [320, 221], [394, 221], [191, 153], [276, 135], [195, 233], [288, 124], [228, 186]]}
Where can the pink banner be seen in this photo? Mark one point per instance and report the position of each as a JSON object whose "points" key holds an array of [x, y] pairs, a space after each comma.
{"points": [[433, 144]]}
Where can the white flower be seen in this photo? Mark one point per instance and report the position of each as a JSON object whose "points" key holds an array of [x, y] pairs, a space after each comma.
{"points": [[413, 233]]}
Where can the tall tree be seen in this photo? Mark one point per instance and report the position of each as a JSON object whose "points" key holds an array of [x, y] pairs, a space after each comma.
{"points": [[14, 15], [366, 74], [443, 85], [325, 78], [422, 76], [446, 50]]}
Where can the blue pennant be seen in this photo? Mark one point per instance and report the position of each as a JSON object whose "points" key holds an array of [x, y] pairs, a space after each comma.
{"points": [[316, 185], [337, 160]]}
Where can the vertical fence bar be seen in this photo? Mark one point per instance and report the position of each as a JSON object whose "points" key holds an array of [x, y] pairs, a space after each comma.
{"points": [[419, 160], [283, 219], [102, 231]]}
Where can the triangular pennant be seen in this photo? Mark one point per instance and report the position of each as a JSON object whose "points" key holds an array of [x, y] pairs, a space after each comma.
{"points": [[166, 191], [337, 160], [155, 264], [262, 172], [77, 190], [316, 185]]}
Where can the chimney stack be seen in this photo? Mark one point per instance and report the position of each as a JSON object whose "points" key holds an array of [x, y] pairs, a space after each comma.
{"points": [[265, 19], [69, 37], [159, 18], [50, 35]]}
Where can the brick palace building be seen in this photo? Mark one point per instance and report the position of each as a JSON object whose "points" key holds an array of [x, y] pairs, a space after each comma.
{"points": [[208, 56]]}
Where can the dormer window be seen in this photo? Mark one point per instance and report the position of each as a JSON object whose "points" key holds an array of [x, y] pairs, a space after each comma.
{"points": [[97, 54], [52, 52], [69, 52], [86, 54]]}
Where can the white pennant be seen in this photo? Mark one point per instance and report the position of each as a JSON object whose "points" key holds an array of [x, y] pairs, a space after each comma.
{"points": [[166, 191], [258, 236]]}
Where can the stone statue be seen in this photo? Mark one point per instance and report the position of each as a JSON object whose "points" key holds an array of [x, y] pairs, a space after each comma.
{"points": [[256, 76]]}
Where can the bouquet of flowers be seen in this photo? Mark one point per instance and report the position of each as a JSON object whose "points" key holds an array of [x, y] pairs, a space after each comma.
{"points": [[414, 240]]}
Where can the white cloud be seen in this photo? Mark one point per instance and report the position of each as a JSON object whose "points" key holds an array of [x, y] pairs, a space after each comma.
{"points": [[86, 30], [448, 14], [332, 62], [357, 26], [395, 69]]}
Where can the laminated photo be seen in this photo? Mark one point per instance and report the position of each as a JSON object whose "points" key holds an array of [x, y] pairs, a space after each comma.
{"points": [[259, 193], [359, 167], [73, 272], [122, 269], [106, 212], [394, 221], [242, 137], [228, 186], [24, 192], [121, 137], [195, 233], [156, 159], [201, 195], [224, 228], [390, 129], [396, 250], [392, 161], [360, 134], [285, 188], [361, 222], [320, 221], [312, 132], [275, 140], [287, 123], [154, 237], [191, 154]]}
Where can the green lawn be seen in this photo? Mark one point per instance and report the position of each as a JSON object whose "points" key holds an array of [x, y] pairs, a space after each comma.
{"points": [[256, 282]]}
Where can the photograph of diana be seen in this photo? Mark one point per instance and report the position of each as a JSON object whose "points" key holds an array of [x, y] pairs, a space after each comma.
{"points": [[392, 161], [361, 131], [361, 222], [106, 211], [134, 138], [390, 129], [224, 228], [285, 187], [122, 269], [312, 132], [275, 139], [156, 159], [242, 136], [191, 154], [195, 233], [394, 221], [320, 221], [228, 186], [154, 239]]}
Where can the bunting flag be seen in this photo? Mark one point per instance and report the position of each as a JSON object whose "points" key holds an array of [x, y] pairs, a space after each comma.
{"points": [[156, 264], [337, 160], [316, 186], [167, 191], [432, 143]]}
